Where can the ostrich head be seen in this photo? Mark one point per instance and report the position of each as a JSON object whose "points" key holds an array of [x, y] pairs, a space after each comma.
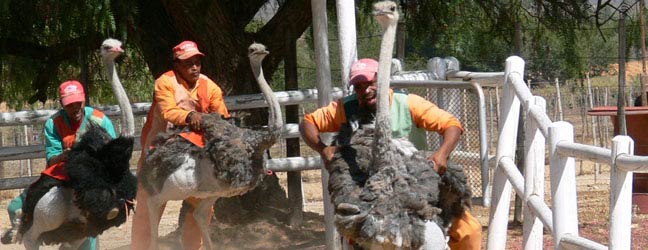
{"points": [[111, 49], [256, 52], [385, 13]]}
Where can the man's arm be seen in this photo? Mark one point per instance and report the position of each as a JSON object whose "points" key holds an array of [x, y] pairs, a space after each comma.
{"points": [[311, 135], [54, 151], [440, 157]]}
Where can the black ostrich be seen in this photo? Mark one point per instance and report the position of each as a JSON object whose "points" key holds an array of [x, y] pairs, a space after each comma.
{"points": [[385, 195], [100, 188], [231, 163]]}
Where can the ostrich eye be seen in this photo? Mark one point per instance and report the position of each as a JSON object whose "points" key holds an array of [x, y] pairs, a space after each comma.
{"points": [[393, 8], [105, 47]]}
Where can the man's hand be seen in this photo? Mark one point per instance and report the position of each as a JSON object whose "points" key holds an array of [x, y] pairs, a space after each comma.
{"points": [[61, 157], [194, 119], [327, 154], [440, 162]]}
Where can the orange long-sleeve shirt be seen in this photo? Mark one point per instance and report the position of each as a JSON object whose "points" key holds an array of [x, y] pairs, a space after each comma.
{"points": [[166, 101], [425, 115]]}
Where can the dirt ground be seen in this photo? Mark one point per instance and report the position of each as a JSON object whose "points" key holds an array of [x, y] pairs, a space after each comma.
{"points": [[593, 196]]}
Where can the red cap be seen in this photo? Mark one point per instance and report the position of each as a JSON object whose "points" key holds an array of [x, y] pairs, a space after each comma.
{"points": [[363, 70], [185, 50], [71, 92]]}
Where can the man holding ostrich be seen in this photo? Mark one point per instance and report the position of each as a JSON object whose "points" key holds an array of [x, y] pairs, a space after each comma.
{"points": [[412, 115], [182, 95], [62, 131]]}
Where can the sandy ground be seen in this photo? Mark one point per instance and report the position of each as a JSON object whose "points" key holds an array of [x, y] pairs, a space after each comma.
{"points": [[271, 234]]}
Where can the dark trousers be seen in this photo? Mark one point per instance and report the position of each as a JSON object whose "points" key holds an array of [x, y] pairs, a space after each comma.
{"points": [[35, 192]]}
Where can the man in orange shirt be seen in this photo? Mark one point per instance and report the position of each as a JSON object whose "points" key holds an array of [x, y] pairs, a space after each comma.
{"points": [[412, 115], [182, 96]]}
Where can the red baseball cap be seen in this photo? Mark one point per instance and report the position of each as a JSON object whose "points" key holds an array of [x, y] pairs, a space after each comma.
{"points": [[71, 92], [185, 50], [363, 70]]}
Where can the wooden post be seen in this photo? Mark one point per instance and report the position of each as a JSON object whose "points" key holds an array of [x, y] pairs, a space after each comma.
{"points": [[590, 99], [642, 78], [534, 176], [620, 196], [501, 199], [622, 71], [563, 179], [27, 162], [559, 102], [295, 190], [323, 76], [347, 37], [2, 165]]}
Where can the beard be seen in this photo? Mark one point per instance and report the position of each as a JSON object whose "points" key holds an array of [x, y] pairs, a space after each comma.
{"points": [[366, 113]]}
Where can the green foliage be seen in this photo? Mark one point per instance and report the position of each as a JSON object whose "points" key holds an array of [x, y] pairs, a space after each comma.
{"points": [[49, 24]]}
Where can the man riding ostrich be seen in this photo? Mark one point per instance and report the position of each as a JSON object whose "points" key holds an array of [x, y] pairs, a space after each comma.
{"points": [[229, 162], [87, 184], [385, 194]]}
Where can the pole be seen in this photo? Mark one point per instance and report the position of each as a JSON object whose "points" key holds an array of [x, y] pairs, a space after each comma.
{"points": [[622, 71], [642, 79]]}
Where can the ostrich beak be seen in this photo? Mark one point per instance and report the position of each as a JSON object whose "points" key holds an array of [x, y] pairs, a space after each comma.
{"points": [[262, 52], [382, 12], [116, 49]]}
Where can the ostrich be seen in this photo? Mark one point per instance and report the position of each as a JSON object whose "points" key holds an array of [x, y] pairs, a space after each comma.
{"points": [[111, 49], [231, 163], [386, 197], [96, 196]]}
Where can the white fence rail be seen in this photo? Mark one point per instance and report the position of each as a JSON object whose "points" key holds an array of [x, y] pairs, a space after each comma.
{"points": [[562, 218]]}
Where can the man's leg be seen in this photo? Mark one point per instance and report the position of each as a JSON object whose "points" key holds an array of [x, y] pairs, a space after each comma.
{"points": [[465, 233], [89, 244], [15, 205], [34, 193]]}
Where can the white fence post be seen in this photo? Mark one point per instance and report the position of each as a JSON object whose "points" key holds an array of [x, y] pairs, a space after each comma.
{"points": [[563, 183], [620, 196], [534, 163], [323, 72], [501, 195], [347, 34]]}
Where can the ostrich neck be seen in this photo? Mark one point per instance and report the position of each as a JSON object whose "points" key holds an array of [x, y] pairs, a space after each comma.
{"points": [[383, 122], [275, 121], [122, 98]]}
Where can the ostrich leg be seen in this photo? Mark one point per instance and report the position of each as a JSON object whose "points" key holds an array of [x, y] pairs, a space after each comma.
{"points": [[203, 215], [154, 215]]}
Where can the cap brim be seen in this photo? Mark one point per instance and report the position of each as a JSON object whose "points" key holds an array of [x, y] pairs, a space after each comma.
{"points": [[362, 76], [72, 99], [189, 55]]}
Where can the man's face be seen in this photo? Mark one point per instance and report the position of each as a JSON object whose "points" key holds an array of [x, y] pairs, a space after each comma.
{"points": [[189, 68], [75, 111], [366, 92]]}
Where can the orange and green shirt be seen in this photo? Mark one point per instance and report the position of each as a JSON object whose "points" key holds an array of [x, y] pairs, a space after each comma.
{"points": [[410, 113]]}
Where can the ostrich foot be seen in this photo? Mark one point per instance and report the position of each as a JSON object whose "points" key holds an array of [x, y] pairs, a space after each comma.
{"points": [[112, 214]]}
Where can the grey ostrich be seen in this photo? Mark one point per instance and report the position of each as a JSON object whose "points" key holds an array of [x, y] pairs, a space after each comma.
{"points": [[231, 163], [96, 195], [386, 197]]}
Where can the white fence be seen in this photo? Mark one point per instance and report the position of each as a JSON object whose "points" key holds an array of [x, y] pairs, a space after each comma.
{"points": [[561, 220], [140, 109]]}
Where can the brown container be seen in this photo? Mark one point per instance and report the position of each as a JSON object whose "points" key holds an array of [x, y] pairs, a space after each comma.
{"points": [[637, 126]]}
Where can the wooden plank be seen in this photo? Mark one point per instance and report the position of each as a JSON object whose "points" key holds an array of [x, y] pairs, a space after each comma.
{"points": [[16, 183], [290, 130]]}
